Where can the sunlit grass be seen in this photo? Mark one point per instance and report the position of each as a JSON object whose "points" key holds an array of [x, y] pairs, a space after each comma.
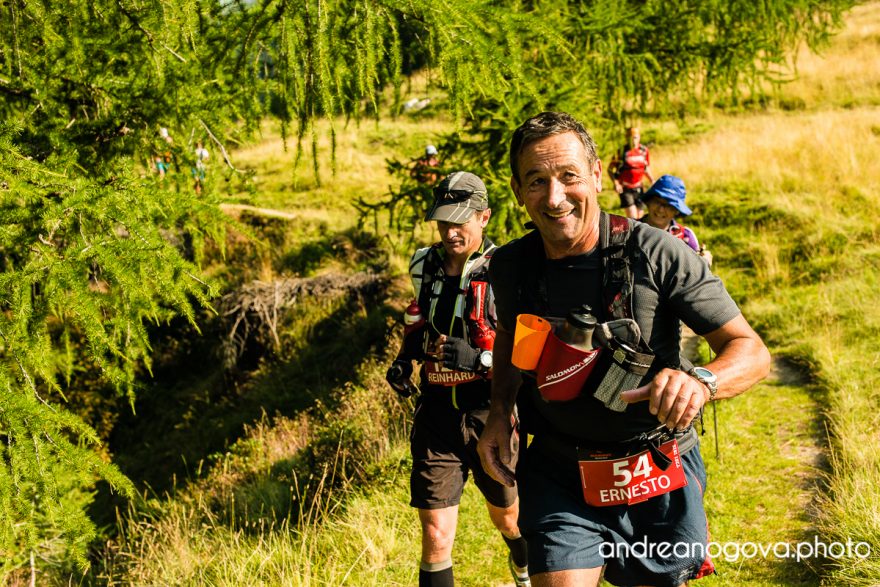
{"points": [[360, 168], [845, 74], [807, 266], [803, 156]]}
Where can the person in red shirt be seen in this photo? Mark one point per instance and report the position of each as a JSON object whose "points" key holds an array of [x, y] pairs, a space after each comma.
{"points": [[629, 168]]}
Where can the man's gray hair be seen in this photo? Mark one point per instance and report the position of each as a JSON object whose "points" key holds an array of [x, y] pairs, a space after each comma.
{"points": [[547, 124]]}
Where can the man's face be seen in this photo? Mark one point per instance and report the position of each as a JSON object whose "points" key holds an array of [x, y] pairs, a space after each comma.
{"points": [[463, 239], [558, 187]]}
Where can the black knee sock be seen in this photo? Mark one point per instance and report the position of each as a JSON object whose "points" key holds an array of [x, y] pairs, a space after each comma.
{"points": [[431, 578], [518, 550]]}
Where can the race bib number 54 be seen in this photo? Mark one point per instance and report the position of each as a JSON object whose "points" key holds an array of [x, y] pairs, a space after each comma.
{"points": [[632, 479]]}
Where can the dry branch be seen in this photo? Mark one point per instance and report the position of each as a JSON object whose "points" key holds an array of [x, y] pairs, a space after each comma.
{"points": [[253, 310]]}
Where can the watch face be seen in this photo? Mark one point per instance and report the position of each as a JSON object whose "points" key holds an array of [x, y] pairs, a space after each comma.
{"points": [[704, 373], [486, 358]]}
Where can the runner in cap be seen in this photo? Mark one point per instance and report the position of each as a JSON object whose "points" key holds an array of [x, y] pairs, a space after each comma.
{"points": [[457, 197], [425, 169], [454, 350]]}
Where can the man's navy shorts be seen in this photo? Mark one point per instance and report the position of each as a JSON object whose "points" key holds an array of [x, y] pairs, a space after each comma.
{"points": [[565, 533]]}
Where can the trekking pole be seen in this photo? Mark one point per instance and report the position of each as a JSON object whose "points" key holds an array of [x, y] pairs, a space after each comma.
{"points": [[715, 418]]}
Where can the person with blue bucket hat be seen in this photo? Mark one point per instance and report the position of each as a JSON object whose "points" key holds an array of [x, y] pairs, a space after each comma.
{"points": [[665, 202]]}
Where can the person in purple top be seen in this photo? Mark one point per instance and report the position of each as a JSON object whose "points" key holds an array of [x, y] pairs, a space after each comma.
{"points": [[665, 202]]}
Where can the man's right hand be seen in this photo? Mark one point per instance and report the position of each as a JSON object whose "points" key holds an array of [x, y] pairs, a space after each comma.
{"points": [[496, 446]]}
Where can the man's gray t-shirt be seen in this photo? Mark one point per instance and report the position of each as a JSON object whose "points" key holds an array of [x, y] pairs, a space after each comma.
{"points": [[671, 285]]}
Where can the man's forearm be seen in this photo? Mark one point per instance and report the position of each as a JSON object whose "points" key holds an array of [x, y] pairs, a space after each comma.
{"points": [[506, 378], [743, 360]]}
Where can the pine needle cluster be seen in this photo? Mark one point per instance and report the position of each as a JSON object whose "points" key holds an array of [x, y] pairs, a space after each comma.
{"points": [[85, 267]]}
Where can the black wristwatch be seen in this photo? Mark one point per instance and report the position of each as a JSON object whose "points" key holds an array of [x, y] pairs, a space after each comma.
{"points": [[485, 361], [707, 378]]}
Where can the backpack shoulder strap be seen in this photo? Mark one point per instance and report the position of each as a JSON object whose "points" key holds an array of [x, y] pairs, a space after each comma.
{"points": [[423, 269], [616, 252], [479, 271], [479, 304], [531, 283]]}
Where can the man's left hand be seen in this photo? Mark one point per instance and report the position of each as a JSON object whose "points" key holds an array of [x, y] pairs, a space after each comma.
{"points": [[676, 397]]}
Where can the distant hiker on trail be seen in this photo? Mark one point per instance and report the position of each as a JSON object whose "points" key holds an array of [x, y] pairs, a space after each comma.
{"points": [[628, 168], [164, 157], [613, 479], [425, 168], [451, 331], [198, 171], [665, 201]]}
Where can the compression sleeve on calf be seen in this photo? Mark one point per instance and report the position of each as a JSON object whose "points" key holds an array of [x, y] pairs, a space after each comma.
{"points": [[518, 550], [436, 574]]}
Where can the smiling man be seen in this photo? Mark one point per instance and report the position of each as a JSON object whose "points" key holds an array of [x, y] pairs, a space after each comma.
{"points": [[454, 348], [598, 480]]}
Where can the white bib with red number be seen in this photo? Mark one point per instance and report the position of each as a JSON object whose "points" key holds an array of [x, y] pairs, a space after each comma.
{"points": [[624, 481]]}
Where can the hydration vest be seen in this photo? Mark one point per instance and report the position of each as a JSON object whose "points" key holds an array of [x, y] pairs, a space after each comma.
{"points": [[474, 306], [617, 254], [634, 161]]}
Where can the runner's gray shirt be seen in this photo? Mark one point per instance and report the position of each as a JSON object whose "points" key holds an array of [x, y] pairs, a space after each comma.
{"points": [[671, 284]]}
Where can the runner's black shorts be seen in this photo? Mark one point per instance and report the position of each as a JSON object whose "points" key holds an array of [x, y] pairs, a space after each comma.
{"points": [[630, 197], [443, 443], [661, 542]]}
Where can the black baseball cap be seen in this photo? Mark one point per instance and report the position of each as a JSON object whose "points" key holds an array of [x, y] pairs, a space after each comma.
{"points": [[457, 197]]}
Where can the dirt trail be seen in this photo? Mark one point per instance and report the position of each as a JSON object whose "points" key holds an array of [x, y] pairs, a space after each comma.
{"points": [[782, 372], [797, 435]]}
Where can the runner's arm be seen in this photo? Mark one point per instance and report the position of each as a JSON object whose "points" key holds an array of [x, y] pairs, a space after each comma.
{"points": [[614, 167], [742, 360], [495, 441], [648, 173]]}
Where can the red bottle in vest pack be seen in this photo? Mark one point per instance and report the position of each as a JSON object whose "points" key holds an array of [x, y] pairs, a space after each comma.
{"points": [[414, 331], [479, 331], [412, 318]]}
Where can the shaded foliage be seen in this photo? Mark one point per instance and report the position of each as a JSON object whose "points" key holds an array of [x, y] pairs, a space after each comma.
{"points": [[87, 245], [85, 266]]}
